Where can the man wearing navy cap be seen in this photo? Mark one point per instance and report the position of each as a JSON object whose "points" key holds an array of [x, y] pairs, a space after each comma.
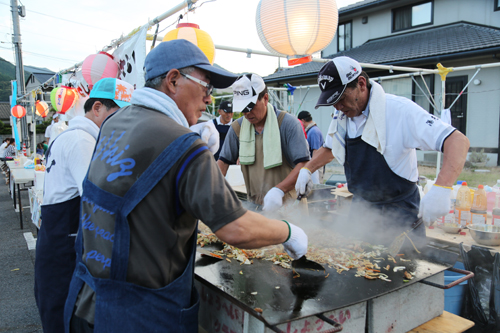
{"points": [[68, 158], [223, 122], [149, 181], [374, 135]]}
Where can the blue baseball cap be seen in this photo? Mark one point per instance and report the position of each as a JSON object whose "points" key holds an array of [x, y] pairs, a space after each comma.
{"points": [[115, 89], [180, 53]]}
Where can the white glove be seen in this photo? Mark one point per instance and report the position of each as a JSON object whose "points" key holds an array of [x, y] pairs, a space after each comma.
{"points": [[208, 133], [304, 183], [296, 245], [273, 200], [434, 204]]}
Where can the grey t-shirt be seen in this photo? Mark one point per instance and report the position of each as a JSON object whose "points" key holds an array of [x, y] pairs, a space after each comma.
{"points": [[160, 235], [293, 142]]}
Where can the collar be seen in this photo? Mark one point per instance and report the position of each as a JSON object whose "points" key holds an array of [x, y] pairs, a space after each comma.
{"points": [[220, 123]]}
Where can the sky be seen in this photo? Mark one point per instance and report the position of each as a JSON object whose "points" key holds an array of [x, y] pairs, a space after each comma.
{"points": [[59, 34]]}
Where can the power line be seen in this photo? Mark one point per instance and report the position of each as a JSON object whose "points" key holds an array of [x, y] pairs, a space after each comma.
{"points": [[63, 19], [41, 55]]}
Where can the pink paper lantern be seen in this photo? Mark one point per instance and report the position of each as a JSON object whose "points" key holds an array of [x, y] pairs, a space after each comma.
{"points": [[18, 111], [99, 66]]}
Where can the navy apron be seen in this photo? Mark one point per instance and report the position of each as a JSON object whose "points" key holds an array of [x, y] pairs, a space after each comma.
{"points": [[384, 204], [122, 306], [222, 129], [55, 259]]}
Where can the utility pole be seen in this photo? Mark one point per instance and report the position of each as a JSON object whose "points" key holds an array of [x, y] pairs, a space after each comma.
{"points": [[16, 41]]}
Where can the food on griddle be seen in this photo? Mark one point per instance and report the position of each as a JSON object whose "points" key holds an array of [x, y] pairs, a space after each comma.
{"points": [[345, 255], [259, 310]]}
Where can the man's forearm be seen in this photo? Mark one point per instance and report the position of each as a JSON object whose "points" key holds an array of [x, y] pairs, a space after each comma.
{"points": [[455, 151], [288, 183], [321, 157], [253, 230]]}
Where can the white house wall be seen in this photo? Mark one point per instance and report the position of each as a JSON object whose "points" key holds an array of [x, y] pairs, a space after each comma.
{"points": [[445, 12]]}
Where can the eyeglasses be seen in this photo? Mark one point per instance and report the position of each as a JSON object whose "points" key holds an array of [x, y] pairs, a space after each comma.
{"points": [[209, 87]]}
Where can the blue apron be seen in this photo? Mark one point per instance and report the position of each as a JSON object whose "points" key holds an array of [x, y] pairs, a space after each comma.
{"points": [[222, 129], [122, 306], [384, 204], [55, 259]]}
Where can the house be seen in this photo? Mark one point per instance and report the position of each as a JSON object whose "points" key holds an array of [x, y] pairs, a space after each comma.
{"points": [[420, 34], [38, 76]]}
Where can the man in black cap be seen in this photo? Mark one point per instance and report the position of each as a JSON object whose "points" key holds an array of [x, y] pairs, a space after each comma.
{"points": [[223, 123], [374, 135], [149, 181], [315, 141]]}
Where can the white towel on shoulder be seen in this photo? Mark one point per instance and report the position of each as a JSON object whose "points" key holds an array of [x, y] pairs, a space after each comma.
{"points": [[374, 131]]}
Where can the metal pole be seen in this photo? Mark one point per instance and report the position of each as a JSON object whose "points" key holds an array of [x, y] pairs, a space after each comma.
{"points": [[443, 99], [16, 41]]}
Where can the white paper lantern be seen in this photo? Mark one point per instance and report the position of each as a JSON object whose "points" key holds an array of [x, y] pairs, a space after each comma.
{"points": [[296, 28]]}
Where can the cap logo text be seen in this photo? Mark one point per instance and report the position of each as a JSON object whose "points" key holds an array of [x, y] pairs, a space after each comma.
{"points": [[331, 98], [241, 93]]}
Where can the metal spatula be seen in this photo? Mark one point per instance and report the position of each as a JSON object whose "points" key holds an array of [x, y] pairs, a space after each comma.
{"points": [[397, 243], [304, 263]]}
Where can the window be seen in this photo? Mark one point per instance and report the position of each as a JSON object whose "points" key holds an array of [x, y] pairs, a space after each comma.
{"points": [[497, 5], [345, 36], [412, 16], [422, 98]]}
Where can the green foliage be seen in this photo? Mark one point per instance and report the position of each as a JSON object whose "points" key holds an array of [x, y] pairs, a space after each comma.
{"points": [[5, 129], [7, 74], [478, 157], [40, 128]]}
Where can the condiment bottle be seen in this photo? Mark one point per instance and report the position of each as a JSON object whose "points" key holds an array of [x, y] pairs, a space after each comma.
{"points": [[479, 206], [463, 205], [496, 211]]}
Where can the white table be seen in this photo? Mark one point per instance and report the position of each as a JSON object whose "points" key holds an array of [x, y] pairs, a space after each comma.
{"points": [[12, 165], [21, 176]]}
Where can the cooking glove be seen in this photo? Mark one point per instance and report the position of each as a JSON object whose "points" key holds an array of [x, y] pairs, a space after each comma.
{"points": [[273, 200], [296, 244], [434, 204], [304, 183], [208, 133]]}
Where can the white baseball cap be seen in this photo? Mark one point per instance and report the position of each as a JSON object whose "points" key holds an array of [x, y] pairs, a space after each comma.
{"points": [[246, 91]]}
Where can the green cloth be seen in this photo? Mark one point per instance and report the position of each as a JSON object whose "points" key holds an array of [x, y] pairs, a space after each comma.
{"points": [[271, 139], [45, 147]]}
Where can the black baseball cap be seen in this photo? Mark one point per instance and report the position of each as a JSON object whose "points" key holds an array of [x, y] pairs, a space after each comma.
{"points": [[333, 78], [226, 106]]}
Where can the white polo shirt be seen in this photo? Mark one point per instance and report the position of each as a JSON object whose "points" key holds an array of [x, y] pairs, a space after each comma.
{"points": [[408, 127]]}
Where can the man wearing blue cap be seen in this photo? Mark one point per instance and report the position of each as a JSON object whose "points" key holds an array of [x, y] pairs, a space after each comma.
{"points": [[149, 181], [68, 159]]}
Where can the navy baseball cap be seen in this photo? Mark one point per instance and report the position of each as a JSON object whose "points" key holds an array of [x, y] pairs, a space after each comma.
{"points": [[226, 106], [180, 53]]}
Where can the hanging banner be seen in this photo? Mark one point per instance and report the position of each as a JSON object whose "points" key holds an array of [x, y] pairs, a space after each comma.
{"points": [[130, 58], [13, 103]]}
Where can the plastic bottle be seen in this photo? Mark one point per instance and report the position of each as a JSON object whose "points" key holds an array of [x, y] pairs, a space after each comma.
{"points": [[479, 206], [495, 215], [463, 205], [496, 187]]}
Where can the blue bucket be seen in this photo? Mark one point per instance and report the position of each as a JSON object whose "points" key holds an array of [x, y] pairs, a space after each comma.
{"points": [[453, 297]]}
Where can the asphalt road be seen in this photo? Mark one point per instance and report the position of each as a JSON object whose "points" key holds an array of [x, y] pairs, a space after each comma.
{"points": [[18, 311]]}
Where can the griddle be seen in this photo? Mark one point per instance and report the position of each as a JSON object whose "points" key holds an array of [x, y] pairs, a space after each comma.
{"points": [[310, 294]]}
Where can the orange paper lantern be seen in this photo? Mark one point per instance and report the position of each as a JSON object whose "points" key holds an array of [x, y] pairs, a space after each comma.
{"points": [[192, 33], [65, 98], [18, 111], [42, 109]]}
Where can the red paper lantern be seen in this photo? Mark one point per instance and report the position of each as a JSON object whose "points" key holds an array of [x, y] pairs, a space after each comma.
{"points": [[99, 66], [65, 98], [18, 111], [42, 109]]}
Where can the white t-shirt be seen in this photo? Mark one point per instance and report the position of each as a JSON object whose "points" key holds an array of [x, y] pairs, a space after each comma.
{"points": [[408, 127], [69, 161], [3, 146]]}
